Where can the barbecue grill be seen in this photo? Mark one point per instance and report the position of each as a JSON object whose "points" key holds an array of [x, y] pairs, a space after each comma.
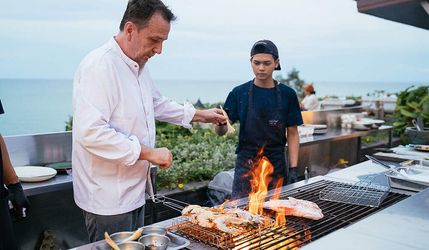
{"points": [[296, 233]]}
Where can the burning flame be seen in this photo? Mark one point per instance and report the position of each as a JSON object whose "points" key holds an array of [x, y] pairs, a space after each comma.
{"points": [[289, 238], [260, 178], [280, 215]]}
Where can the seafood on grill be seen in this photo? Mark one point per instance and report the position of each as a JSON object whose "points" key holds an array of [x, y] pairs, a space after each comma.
{"points": [[295, 207], [228, 220]]}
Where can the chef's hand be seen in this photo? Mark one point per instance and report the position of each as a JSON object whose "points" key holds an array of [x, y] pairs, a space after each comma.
{"points": [[293, 176], [158, 156], [19, 201], [214, 116], [221, 129]]}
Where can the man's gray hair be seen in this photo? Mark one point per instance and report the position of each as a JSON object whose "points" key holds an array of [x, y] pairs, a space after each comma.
{"points": [[140, 11]]}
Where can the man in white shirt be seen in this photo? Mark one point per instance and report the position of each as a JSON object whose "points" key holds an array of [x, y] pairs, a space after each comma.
{"points": [[310, 101], [115, 104]]}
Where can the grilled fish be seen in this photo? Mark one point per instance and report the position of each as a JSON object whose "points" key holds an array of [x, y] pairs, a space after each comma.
{"points": [[295, 207]]}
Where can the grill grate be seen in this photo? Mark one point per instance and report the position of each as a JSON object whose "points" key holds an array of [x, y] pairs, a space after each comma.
{"points": [[297, 231]]}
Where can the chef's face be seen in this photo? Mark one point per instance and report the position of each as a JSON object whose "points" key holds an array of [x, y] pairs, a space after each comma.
{"points": [[147, 41], [263, 66]]}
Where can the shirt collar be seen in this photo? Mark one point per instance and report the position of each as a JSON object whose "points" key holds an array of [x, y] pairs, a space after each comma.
{"points": [[134, 66]]}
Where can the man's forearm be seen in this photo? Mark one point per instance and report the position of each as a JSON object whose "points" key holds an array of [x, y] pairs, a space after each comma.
{"points": [[293, 146], [9, 175]]}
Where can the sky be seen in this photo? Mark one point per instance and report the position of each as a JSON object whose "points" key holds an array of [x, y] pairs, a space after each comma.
{"points": [[325, 40]]}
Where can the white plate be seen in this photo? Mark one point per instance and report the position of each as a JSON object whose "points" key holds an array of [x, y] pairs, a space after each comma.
{"points": [[34, 173], [363, 123], [316, 126]]}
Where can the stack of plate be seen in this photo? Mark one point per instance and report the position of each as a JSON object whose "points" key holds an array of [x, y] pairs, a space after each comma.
{"points": [[367, 123], [318, 128]]}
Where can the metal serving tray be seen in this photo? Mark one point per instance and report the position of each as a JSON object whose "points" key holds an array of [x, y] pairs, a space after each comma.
{"points": [[399, 182]]}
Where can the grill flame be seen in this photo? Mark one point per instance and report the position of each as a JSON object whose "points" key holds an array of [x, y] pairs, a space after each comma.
{"points": [[261, 176]]}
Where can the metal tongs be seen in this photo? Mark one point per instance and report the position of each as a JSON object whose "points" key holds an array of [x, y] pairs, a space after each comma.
{"points": [[170, 202], [378, 162]]}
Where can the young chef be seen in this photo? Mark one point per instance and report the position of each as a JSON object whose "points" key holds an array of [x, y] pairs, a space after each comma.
{"points": [[267, 111]]}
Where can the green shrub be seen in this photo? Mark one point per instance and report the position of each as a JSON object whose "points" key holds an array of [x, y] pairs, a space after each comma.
{"points": [[410, 104], [198, 154]]}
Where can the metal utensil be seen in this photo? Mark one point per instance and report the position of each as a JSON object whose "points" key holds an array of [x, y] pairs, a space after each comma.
{"points": [[376, 161], [131, 245], [417, 125], [420, 123], [155, 241], [154, 230]]}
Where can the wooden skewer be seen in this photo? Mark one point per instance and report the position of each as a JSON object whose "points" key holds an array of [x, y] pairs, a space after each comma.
{"points": [[109, 241], [231, 129], [135, 235]]}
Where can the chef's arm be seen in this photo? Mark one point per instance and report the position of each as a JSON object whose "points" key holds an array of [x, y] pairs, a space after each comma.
{"points": [[9, 175], [293, 145], [157, 156]]}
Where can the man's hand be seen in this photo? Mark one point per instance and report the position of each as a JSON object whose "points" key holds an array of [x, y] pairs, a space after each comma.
{"points": [[157, 156], [293, 176], [214, 116], [19, 201], [221, 129]]}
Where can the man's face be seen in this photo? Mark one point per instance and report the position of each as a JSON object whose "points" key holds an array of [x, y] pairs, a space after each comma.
{"points": [[263, 66], [146, 42]]}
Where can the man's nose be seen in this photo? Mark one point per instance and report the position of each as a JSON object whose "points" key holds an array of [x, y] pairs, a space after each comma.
{"points": [[158, 49]]}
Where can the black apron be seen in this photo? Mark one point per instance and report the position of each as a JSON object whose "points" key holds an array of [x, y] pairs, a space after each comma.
{"points": [[7, 239], [273, 127]]}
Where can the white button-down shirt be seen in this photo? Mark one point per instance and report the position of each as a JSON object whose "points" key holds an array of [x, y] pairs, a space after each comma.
{"points": [[310, 102], [115, 105]]}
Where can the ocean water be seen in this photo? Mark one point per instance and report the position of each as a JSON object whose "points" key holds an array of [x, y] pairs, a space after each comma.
{"points": [[44, 105]]}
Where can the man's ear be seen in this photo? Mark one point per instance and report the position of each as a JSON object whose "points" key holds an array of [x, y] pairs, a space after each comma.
{"points": [[277, 63], [128, 29]]}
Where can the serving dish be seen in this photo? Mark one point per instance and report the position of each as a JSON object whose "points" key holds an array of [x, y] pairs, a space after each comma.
{"points": [[34, 173]]}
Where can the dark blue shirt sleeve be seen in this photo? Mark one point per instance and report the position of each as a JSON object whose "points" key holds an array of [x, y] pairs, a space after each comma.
{"points": [[231, 106], [294, 112]]}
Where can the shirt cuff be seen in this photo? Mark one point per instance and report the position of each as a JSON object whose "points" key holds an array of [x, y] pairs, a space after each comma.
{"points": [[135, 150], [189, 112]]}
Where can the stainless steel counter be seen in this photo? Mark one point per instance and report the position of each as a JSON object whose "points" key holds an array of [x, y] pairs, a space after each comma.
{"points": [[335, 134], [59, 182], [404, 225]]}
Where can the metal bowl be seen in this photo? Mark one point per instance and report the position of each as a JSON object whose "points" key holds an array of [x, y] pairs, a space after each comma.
{"points": [[155, 241], [154, 230], [120, 236], [131, 245]]}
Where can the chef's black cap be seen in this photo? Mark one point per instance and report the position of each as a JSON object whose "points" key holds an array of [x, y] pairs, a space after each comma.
{"points": [[265, 47]]}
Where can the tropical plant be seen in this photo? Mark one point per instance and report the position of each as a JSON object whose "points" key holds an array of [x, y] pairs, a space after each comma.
{"points": [[294, 81], [198, 154], [69, 123], [411, 103]]}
